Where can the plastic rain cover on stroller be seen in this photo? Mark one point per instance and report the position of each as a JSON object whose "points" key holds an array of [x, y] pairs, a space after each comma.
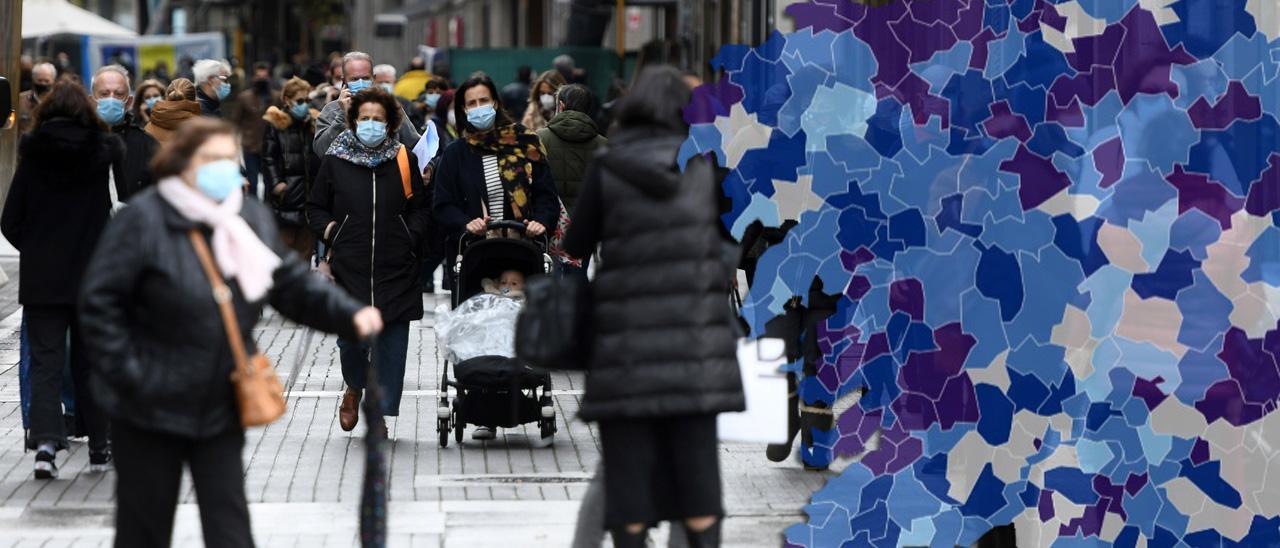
{"points": [[484, 325]]}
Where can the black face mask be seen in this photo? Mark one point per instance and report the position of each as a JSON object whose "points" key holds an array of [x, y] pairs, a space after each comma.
{"points": [[41, 89], [262, 86]]}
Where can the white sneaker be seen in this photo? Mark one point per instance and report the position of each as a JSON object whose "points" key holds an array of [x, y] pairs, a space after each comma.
{"points": [[483, 433]]}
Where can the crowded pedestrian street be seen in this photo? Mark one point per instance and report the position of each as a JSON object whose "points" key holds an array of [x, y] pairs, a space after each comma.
{"points": [[304, 474]]}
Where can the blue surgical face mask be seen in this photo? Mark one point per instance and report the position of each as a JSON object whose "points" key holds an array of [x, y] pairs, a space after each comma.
{"points": [[387, 87], [433, 99], [151, 103], [300, 110], [111, 110], [482, 117], [371, 132], [357, 86], [219, 179], [224, 90]]}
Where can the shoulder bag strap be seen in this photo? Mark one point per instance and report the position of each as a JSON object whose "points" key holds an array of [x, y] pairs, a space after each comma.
{"points": [[402, 158], [221, 295]]}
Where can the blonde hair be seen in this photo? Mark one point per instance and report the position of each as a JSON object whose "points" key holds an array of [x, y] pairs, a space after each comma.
{"points": [[293, 86], [180, 89]]}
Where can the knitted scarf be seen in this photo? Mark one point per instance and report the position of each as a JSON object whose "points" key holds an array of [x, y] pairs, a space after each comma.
{"points": [[347, 147], [517, 151]]}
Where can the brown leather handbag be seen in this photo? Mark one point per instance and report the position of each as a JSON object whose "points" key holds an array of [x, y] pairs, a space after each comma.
{"points": [[258, 391]]}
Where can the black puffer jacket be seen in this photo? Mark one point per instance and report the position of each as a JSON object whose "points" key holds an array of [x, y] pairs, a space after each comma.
{"points": [[287, 158], [377, 240], [665, 339], [57, 207], [163, 361]]}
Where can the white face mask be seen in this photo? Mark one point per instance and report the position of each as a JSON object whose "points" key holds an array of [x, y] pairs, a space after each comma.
{"points": [[548, 102]]}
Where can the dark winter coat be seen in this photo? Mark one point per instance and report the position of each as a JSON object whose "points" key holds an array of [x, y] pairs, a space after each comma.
{"points": [[287, 158], [570, 139], [209, 106], [133, 173], [376, 244], [57, 207], [247, 114], [162, 360], [460, 191], [664, 336]]}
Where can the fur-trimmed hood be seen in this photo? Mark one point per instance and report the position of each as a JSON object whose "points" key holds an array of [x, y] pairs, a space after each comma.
{"points": [[282, 120]]}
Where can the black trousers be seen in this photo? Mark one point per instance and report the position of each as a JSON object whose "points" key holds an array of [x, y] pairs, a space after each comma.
{"points": [[48, 327], [660, 469], [149, 475]]}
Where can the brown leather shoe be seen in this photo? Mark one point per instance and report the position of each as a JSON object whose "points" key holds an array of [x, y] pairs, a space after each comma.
{"points": [[349, 411]]}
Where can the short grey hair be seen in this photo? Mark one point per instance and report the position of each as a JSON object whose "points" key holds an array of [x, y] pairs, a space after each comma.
{"points": [[563, 61], [384, 69], [93, 83], [53, 71], [355, 56], [206, 68]]}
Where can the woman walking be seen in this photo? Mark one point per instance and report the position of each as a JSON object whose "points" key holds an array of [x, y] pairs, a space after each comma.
{"points": [[56, 209], [663, 360], [368, 205], [178, 106], [290, 165], [163, 364], [542, 100], [145, 98]]}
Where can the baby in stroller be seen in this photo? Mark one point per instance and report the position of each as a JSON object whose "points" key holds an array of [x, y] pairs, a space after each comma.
{"points": [[489, 387]]}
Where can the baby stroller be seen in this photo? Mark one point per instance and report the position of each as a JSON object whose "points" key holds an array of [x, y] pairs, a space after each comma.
{"points": [[494, 391]]}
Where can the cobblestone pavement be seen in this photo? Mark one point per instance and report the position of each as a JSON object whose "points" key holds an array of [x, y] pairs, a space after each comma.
{"points": [[304, 473]]}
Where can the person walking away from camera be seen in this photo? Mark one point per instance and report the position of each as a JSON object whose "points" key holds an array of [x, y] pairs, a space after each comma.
{"points": [[55, 211], [247, 111], [145, 98], [42, 78], [516, 94], [663, 354], [356, 70], [290, 165], [178, 106], [571, 139], [542, 102], [496, 171], [213, 86], [373, 227], [112, 98], [163, 364]]}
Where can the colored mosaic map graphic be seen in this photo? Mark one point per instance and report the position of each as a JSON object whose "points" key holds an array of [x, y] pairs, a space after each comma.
{"points": [[1055, 231]]}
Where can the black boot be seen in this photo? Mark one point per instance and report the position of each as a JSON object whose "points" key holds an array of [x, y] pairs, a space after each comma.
{"points": [[708, 538], [624, 539]]}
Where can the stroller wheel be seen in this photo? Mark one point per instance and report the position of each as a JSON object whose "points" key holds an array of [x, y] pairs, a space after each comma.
{"points": [[442, 427], [547, 428]]}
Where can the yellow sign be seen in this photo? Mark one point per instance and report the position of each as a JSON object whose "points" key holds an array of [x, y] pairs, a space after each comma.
{"points": [[150, 54]]}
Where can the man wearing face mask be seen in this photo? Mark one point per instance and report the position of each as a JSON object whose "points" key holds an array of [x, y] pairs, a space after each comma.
{"points": [[246, 114], [112, 98], [384, 76], [212, 85], [42, 76], [357, 74]]}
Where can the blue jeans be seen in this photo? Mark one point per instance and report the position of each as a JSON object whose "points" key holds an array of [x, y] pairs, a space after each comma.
{"points": [[389, 358], [252, 170]]}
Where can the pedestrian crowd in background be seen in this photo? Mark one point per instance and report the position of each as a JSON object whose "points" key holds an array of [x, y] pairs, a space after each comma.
{"points": [[334, 191]]}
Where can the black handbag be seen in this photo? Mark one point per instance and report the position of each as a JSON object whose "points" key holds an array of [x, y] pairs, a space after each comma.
{"points": [[553, 329]]}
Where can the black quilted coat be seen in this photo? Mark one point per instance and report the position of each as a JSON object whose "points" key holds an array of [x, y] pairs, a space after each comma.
{"points": [[665, 340], [162, 360]]}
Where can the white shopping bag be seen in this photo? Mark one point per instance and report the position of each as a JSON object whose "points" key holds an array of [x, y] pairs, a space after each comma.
{"points": [[765, 420]]}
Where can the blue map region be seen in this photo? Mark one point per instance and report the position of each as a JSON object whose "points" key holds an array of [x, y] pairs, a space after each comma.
{"points": [[1052, 229]]}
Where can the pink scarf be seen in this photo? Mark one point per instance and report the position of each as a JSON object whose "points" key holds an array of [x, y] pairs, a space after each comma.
{"points": [[237, 250]]}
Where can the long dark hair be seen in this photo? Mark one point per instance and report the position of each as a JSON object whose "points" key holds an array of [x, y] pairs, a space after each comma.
{"points": [[460, 102], [68, 100], [657, 99]]}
